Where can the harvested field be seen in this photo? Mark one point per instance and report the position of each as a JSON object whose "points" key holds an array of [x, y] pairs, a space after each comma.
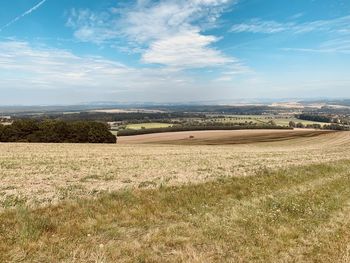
{"points": [[220, 137], [38, 174], [258, 201]]}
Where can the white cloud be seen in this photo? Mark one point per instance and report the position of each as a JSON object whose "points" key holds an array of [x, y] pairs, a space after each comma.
{"points": [[167, 32], [148, 21], [187, 49], [28, 12]]}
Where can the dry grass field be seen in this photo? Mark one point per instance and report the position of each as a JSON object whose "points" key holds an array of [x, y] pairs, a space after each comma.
{"points": [[266, 199], [49, 173]]}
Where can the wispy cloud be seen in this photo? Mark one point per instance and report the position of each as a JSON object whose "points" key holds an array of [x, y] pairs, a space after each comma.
{"points": [[334, 34], [261, 26], [28, 12], [337, 45], [338, 25]]}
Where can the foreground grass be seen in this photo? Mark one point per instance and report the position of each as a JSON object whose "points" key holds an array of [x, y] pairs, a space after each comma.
{"points": [[297, 215]]}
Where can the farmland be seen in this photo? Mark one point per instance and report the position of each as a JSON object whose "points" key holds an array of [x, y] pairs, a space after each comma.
{"points": [[221, 137], [49, 173], [264, 119], [268, 200], [150, 125]]}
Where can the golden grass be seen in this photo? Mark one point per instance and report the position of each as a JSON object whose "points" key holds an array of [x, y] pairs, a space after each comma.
{"points": [[39, 174], [290, 215]]}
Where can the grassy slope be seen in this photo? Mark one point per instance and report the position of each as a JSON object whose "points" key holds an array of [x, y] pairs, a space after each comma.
{"points": [[295, 215]]}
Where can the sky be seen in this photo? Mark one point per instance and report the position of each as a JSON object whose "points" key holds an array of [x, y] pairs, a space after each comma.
{"points": [[81, 51]]}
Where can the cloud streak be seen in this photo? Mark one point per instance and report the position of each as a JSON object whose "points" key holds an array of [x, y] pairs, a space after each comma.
{"points": [[28, 12], [338, 25]]}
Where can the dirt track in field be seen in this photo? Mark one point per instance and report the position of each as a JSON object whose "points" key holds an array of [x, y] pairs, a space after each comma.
{"points": [[219, 137]]}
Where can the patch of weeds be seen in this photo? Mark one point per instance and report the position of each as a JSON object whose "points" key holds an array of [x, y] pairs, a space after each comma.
{"points": [[95, 192], [108, 177], [203, 170], [127, 181], [32, 226], [70, 191], [90, 177], [9, 165], [146, 184], [262, 171], [168, 179], [13, 201], [75, 167], [125, 195]]}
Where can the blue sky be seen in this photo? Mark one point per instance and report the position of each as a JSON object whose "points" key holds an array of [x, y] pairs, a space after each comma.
{"points": [[73, 51]]}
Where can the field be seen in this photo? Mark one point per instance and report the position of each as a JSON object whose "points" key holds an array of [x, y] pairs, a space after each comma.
{"points": [[256, 200], [151, 125], [223, 137]]}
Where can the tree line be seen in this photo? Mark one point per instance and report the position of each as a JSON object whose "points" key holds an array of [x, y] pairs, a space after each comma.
{"points": [[53, 131], [315, 117]]}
